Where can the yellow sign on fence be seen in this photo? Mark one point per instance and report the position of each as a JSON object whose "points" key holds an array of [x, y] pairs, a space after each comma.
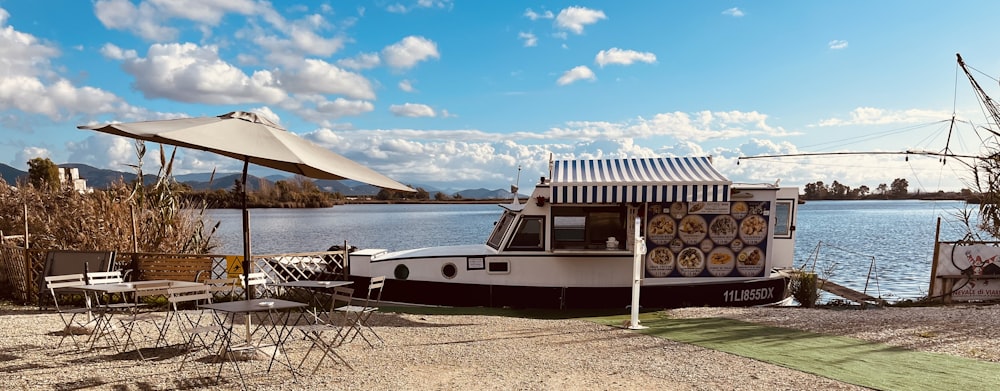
{"points": [[234, 266]]}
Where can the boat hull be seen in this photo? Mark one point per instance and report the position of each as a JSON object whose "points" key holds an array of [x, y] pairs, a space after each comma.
{"points": [[733, 294]]}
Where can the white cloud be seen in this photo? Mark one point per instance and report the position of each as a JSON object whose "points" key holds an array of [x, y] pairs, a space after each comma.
{"points": [[361, 61], [623, 57], [528, 13], [148, 18], [113, 152], [124, 15], [114, 52], [876, 116], [406, 85], [31, 84], [24, 54], [23, 156], [299, 40], [191, 73], [412, 110], [530, 39], [837, 44], [575, 19], [734, 12], [579, 73], [399, 8], [409, 51], [318, 76], [319, 110]]}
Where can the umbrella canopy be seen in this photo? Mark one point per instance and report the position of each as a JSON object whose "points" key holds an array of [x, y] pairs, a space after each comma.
{"points": [[251, 139]]}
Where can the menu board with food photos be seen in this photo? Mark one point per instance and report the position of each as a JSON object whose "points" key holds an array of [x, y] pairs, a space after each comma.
{"points": [[706, 239]]}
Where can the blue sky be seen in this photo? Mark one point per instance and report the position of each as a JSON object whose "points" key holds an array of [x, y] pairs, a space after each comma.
{"points": [[457, 94]]}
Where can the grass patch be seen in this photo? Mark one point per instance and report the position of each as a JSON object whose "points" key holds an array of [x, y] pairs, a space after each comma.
{"points": [[845, 359]]}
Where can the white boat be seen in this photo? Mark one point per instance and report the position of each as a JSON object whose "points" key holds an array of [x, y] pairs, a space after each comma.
{"points": [[701, 240]]}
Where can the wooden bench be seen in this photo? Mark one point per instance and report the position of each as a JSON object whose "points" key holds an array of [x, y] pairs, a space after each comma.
{"points": [[175, 268], [950, 279]]}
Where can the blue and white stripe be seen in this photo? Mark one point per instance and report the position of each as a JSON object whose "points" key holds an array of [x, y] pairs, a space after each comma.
{"points": [[638, 180]]}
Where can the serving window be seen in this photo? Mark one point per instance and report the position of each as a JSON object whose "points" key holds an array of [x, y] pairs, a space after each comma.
{"points": [[784, 210], [582, 227]]}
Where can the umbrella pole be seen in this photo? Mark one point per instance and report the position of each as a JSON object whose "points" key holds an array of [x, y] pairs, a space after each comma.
{"points": [[246, 229]]}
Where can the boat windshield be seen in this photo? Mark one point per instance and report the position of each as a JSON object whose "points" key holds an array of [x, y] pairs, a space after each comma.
{"points": [[499, 229]]}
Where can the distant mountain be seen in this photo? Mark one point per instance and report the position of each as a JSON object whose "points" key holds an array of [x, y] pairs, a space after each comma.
{"points": [[200, 177], [222, 182], [99, 178], [11, 174]]}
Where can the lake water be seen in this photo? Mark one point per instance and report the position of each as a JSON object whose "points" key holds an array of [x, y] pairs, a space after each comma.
{"points": [[899, 235]]}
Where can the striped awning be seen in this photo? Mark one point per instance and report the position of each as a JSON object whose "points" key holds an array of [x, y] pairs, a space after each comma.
{"points": [[637, 180]]}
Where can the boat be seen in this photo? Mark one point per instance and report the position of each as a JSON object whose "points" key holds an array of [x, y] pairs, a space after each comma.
{"points": [[592, 230]]}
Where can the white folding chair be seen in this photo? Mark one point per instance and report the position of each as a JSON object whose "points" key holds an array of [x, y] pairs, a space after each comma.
{"points": [[327, 333], [112, 277], [361, 314], [141, 314], [64, 285], [197, 325], [222, 287], [253, 280]]}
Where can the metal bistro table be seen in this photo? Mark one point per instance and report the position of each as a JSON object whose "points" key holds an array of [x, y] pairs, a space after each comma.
{"points": [[311, 289], [273, 320], [105, 311]]}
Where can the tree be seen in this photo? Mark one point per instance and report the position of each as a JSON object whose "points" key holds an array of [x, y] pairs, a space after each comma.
{"points": [[839, 190], [43, 174], [882, 188], [815, 191], [899, 188], [863, 190]]}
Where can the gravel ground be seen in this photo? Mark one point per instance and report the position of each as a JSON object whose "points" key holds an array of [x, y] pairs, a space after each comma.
{"points": [[438, 352]]}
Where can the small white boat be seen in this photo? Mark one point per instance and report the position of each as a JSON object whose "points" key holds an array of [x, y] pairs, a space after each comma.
{"points": [[691, 236]]}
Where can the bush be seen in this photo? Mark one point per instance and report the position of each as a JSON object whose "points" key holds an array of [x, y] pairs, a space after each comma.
{"points": [[805, 288], [106, 219]]}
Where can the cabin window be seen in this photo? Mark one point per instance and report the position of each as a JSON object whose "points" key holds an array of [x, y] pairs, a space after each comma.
{"points": [[577, 227], [529, 234], [499, 229]]}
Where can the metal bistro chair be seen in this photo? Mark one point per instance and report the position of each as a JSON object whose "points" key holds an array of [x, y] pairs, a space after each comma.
{"points": [[253, 280], [198, 325], [222, 287], [141, 313], [64, 285], [326, 333], [360, 315]]}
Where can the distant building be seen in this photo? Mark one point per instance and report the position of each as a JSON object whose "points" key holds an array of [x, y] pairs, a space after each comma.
{"points": [[71, 177]]}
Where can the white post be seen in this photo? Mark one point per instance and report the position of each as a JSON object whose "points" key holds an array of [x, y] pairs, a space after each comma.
{"points": [[639, 250]]}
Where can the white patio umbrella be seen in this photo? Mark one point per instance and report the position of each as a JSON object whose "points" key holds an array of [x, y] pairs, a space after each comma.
{"points": [[251, 139]]}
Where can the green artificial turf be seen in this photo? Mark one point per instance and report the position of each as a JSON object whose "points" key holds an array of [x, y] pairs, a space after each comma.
{"points": [[845, 359]]}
